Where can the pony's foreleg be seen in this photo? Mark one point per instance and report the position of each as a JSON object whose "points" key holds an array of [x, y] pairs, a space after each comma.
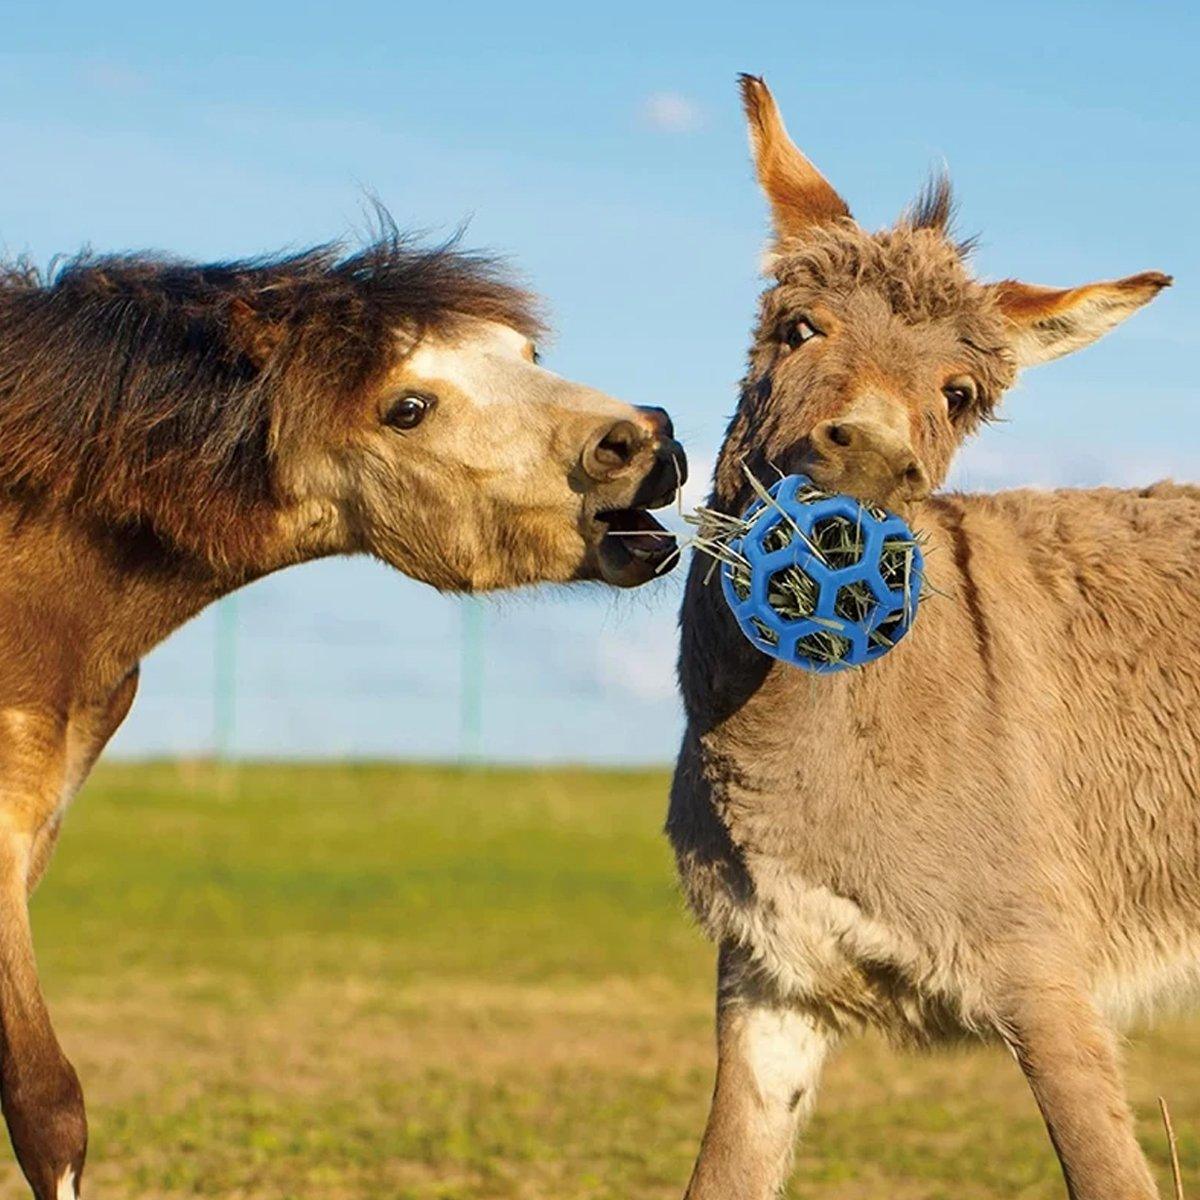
{"points": [[42, 1100], [1069, 1057], [43, 760], [39, 1090], [87, 734], [769, 1059]]}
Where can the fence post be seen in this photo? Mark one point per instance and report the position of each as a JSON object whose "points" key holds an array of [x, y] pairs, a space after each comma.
{"points": [[225, 678], [471, 681]]}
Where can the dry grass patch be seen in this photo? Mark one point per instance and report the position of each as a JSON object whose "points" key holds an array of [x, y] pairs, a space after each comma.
{"points": [[404, 982]]}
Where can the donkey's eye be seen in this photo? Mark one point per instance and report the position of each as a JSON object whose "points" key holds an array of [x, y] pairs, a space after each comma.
{"points": [[796, 333], [408, 411], [960, 396]]}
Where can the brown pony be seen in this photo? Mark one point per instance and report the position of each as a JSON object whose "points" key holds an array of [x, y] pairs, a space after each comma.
{"points": [[171, 432], [994, 831]]}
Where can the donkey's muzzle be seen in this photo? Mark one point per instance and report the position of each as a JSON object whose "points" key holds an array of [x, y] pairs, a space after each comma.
{"points": [[868, 460]]}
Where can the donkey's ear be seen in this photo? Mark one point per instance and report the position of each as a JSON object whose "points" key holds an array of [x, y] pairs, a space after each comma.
{"points": [[1049, 322], [253, 334], [799, 194]]}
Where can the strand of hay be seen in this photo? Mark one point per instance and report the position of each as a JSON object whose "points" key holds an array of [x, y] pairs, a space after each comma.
{"points": [[1172, 1146]]}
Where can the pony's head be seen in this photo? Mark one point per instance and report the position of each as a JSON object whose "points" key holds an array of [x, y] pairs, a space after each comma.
{"points": [[388, 401], [454, 455]]}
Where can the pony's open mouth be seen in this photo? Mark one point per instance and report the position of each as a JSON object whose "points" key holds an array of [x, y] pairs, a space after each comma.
{"points": [[634, 547]]}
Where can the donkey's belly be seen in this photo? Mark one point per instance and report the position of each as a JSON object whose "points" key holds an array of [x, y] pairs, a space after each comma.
{"points": [[1153, 975]]}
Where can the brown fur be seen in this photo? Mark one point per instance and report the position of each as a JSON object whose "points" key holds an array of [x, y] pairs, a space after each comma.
{"points": [[172, 431], [992, 832], [799, 194], [143, 387]]}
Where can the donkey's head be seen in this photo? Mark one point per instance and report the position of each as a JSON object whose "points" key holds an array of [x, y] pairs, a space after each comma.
{"points": [[875, 355]]}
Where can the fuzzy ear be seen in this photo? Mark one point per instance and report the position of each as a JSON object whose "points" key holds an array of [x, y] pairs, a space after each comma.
{"points": [[1049, 322], [255, 336], [799, 194]]}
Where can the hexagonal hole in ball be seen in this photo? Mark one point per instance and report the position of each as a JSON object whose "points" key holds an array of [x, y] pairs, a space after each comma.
{"points": [[739, 580], [895, 563], [883, 636], [840, 541], [793, 594], [823, 647], [778, 537], [855, 602], [764, 631]]}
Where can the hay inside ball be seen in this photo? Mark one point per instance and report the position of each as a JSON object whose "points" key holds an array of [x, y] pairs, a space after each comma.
{"points": [[820, 580]]}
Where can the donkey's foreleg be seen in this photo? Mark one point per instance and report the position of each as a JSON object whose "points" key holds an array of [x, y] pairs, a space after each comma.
{"points": [[1070, 1060], [769, 1059]]}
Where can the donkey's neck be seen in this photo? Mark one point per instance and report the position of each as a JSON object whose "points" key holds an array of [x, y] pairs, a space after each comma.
{"points": [[721, 673]]}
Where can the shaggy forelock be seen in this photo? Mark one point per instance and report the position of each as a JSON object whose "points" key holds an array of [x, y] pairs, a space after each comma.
{"points": [[146, 388], [918, 270]]}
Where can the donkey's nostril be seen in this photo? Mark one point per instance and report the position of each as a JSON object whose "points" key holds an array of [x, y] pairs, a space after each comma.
{"points": [[839, 435], [916, 480], [616, 448]]}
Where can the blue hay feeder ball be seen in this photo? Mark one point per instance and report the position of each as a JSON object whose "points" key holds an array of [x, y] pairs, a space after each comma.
{"points": [[822, 581]]}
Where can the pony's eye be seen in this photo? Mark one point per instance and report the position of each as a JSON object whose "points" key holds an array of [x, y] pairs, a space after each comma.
{"points": [[796, 333], [408, 411], [960, 396]]}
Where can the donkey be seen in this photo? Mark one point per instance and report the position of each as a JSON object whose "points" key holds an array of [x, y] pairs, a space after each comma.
{"points": [[172, 431], [994, 831]]}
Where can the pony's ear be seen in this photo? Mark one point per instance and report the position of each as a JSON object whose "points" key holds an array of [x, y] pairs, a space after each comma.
{"points": [[799, 194], [1048, 322], [253, 334]]}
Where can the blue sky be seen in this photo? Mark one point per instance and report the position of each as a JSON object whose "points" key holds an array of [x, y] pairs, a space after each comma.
{"points": [[603, 149]]}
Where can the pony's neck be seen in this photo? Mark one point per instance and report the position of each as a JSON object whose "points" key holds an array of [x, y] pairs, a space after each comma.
{"points": [[87, 599]]}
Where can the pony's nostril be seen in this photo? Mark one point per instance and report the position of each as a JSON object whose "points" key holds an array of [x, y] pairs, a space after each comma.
{"points": [[617, 447], [839, 435], [659, 419]]}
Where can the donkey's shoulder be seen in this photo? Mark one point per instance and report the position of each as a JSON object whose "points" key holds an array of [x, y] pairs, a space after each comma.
{"points": [[1116, 546], [1079, 515]]}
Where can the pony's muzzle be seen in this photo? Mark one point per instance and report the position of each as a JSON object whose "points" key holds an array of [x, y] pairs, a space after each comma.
{"points": [[635, 465]]}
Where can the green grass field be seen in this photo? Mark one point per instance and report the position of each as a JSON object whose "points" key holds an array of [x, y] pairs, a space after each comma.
{"points": [[411, 982]]}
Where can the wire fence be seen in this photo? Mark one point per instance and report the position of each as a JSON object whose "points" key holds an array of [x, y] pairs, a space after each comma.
{"points": [[347, 660]]}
